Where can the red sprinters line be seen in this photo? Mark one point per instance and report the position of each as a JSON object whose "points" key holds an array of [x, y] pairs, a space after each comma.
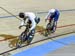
{"points": [[66, 25], [40, 31]]}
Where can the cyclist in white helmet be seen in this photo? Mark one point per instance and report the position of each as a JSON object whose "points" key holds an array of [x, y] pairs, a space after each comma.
{"points": [[53, 14], [32, 19]]}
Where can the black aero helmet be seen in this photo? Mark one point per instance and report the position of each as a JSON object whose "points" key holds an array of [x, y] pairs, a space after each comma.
{"points": [[21, 15]]}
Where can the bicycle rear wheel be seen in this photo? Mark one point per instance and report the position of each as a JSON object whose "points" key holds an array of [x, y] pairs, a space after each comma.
{"points": [[29, 40]]}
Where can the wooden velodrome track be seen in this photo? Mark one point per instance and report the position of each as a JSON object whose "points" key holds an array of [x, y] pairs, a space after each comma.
{"points": [[9, 25]]}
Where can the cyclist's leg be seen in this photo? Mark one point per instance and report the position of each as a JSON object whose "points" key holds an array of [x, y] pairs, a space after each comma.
{"points": [[54, 27], [47, 29], [27, 30], [50, 25], [30, 36], [24, 37]]}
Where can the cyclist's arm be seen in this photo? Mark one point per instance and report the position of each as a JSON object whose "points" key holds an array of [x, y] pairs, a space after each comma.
{"points": [[22, 24], [47, 17]]}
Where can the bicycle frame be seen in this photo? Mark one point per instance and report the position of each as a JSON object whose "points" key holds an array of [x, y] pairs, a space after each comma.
{"points": [[23, 36], [49, 27]]}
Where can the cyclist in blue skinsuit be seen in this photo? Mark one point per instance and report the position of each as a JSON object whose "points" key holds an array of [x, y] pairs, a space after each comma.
{"points": [[53, 14]]}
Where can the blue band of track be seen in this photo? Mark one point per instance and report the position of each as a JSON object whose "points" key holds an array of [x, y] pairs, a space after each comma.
{"points": [[47, 47]]}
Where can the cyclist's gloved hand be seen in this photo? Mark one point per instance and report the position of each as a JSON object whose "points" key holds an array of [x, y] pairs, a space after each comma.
{"points": [[20, 27]]}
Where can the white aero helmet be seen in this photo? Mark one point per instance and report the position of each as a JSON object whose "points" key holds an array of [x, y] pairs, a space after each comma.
{"points": [[52, 11]]}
